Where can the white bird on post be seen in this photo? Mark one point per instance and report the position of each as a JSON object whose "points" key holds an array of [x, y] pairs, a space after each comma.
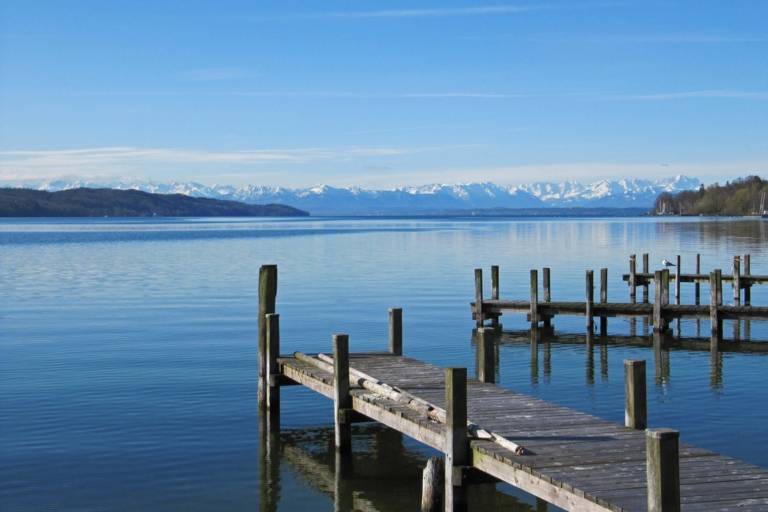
{"points": [[667, 263]]}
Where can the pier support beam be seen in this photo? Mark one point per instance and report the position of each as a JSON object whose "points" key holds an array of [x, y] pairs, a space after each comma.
{"points": [[432, 485], [342, 401], [547, 284], [590, 320], [632, 278], [273, 372], [635, 409], [748, 284], [603, 300], [534, 313], [396, 331], [646, 269], [663, 470], [479, 297], [457, 454], [658, 302], [716, 323], [495, 292], [677, 279], [267, 299], [736, 280], [486, 367], [697, 286]]}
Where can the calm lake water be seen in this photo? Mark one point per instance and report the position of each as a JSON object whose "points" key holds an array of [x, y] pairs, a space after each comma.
{"points": [[128, 350]]}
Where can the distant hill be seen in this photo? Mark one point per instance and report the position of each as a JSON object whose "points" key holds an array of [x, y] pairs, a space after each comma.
{"points": [[101, 202], [744, 196]]}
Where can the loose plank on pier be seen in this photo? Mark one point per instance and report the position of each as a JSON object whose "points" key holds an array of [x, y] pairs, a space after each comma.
{"points": [[575, 460]]}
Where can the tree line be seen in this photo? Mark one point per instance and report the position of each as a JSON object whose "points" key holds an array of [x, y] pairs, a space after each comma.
{"points": [[743, 196]]}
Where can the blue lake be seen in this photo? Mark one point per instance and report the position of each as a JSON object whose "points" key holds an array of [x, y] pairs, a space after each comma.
{"points": [[128, 368]]}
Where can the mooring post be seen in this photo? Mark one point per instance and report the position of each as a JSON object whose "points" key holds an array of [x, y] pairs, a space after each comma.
{"points": [[267, 299], [736, 280], [396, 331], [547, 293], [748, 284], [534, 312], [456, 442], [719, 286], [714, 312], [635, 409], [677, 280], [432, 485], [342, 400], [479, 297], [663, 470], [486, 371], [590, 283], [632, 278], [495, 282], [646, 269], [697, 286], [603, 300], [273, 372], [657, 301]]}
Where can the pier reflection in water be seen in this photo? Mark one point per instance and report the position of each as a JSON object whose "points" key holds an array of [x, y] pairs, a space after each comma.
{"points": [[382, 474]]}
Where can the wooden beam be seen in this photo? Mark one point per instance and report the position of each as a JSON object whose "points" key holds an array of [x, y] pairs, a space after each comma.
{"points": [[273, 371], [663, 470], [267, 300], [657, 302], [486, 371], [632, 278], [432, 478], [456, 442], [590, 284], [748, 286], [736, 282], [479, 297], [677, 279], [342, 401], [697, 285], [495, 282], [534, 313], [396, 331], [547, 284], [603, 300], [646, 269], [635, 408]]}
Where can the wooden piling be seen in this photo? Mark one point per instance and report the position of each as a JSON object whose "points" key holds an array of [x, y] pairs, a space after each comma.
{"points": [[736, 280], [665, 286], [719, 286], [635, 408], [677, 280], [534, 313], [495, 282], [547, 293], [632, 278], [603, 300], [432, 485], [396, 331], [748, 285], [267, 300], [342, 400], [457, 454], [658, 301], [646, 269], [714, 312], [590, 283], [486, 371], [479, 297], [697, 286], [273, 372], [663, 470]]}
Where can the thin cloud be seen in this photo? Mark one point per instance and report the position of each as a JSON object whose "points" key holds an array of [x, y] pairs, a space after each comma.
{"points": [[685, 95]]}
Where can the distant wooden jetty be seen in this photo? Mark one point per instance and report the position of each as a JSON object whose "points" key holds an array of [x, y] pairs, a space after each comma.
{"points": [[570, 459]]}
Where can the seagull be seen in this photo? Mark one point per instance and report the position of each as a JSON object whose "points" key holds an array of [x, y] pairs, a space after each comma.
{"points": [[667, 263]]}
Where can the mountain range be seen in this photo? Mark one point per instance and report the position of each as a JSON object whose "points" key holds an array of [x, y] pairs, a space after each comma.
{"points": [[328, 200]]}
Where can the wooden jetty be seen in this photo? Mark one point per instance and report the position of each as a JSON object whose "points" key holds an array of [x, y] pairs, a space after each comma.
{"points": [[661, 312], [573, 460]]}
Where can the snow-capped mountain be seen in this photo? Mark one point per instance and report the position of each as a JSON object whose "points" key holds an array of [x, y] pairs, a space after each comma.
{"points": [[327, 200]]}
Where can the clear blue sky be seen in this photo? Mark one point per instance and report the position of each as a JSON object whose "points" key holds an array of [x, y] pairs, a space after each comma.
{"points": [[381, 94]]}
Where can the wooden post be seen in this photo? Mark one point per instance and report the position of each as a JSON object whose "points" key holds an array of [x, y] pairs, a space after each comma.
{"points": [[485, 356], [267, 299], [273, 372], [632, 278], [479, 297], [396, 331], [748, 284], [736, 280], [657, 301], [677, 280], [603, 300], [590, 300], [646, 269], [547, 293], [342, 401], [534, 313], [635, 409], [432, 485], [663, 470], [697, 286], [456, 443], [714, 313], [719, 286], [495, 282]]}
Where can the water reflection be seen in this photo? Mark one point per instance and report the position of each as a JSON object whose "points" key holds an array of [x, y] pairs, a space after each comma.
{"points": [[382, 474]]}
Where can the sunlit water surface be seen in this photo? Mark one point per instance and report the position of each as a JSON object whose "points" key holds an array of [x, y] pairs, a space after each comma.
{"points": [[128, 368]]}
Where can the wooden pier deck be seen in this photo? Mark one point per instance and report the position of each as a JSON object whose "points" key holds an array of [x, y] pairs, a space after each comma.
{"points": [[574, 460]]}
